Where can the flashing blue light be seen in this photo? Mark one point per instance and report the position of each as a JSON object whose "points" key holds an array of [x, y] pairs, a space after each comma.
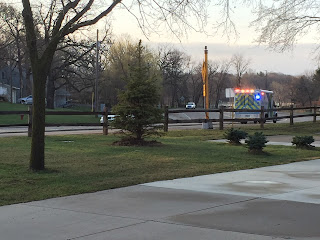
{"points": [[258, 96]]}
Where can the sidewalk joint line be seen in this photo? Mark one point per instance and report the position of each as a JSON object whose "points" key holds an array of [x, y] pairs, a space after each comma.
{"points": [[85, 212], [217, 206], [108, 230]]}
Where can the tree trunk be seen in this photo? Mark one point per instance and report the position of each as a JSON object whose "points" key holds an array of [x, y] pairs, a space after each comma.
{"points": [[50, 93], [28, 88], [38, 119], [20, 65]]}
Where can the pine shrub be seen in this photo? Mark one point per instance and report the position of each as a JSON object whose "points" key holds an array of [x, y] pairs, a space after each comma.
{"points": [[234, 136], [256, 142], [137, 112], [303, 141]]}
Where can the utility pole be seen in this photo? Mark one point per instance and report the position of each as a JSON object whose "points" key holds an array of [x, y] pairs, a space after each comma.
{"points": [[97, 73]]}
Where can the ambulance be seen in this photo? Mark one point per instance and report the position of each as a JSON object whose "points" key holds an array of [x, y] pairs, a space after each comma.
{"points": [[254, 99]]}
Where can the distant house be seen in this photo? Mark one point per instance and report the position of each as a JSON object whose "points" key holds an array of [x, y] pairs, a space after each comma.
{"points": [[5, 84], [61, 97]]}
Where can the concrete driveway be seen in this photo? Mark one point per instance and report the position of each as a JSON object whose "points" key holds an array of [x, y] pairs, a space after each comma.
{"points": [[278, 202]]}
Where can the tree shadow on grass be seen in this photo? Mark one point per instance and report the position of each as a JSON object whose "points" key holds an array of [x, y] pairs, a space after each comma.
{"points": [[46, 171]]}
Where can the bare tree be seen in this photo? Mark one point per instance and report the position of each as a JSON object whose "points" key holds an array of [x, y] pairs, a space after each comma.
{"points": [[195, 83], [72, 66], [220, 81], [13, 31], [174, 67], [62, 18], [212, 71], [282, 23], [240, 64]]}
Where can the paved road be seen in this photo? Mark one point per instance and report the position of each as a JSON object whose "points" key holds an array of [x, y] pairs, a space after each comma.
{"points": [[22, 131], [278, 202]]}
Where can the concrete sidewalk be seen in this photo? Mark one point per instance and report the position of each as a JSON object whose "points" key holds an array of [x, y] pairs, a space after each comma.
{"points": [[278, 202]]}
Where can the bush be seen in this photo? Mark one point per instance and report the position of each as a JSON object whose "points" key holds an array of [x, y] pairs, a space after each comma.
{"points": [[303, 141], [256, 142], [234, 136]]}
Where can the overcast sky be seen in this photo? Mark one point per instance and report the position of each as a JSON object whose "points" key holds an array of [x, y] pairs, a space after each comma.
{"points": [[295, 62]]}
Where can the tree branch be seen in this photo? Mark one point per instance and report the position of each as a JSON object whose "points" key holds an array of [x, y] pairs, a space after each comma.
{"points": [[66, 30]]}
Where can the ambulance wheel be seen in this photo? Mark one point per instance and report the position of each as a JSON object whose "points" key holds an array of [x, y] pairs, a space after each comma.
{"points": [[255, 122], [244, 122]]}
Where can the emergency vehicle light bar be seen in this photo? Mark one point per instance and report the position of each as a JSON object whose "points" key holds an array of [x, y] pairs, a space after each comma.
{"points": [[238, 90]]}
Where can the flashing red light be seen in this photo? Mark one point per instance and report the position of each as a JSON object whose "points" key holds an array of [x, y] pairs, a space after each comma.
{"points": [[237, 90], [262, 93]]}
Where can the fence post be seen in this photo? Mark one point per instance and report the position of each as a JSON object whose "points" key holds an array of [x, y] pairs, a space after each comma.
{"points": [[166, 119], [105, 121], [30, 121], [221, 118], [291, 115], [315, 113], [262, 119]]}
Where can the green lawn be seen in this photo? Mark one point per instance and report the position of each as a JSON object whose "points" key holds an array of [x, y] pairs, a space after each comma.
{"points": [[301, 128], [86, 163], [16, 119]]}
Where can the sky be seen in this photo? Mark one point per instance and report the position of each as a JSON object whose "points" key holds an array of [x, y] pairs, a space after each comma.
{"points": [[299, 60], [296, 62]]}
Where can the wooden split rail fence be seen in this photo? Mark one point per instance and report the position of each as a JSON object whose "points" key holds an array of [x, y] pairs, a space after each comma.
{"points": [[61, 113], [222, 110], [221, 120]]}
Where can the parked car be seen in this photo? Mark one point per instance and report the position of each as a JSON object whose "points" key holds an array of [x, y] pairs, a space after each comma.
{"points": [[110, 118], [190, 105], [26, 100]]}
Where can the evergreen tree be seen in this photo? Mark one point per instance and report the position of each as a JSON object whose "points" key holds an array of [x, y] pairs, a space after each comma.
{"points": [[137, 111]]}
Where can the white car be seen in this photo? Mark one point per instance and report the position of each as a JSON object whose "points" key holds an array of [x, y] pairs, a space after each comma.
{"points": [[110, 118], [190, 105], [26, 100]]}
